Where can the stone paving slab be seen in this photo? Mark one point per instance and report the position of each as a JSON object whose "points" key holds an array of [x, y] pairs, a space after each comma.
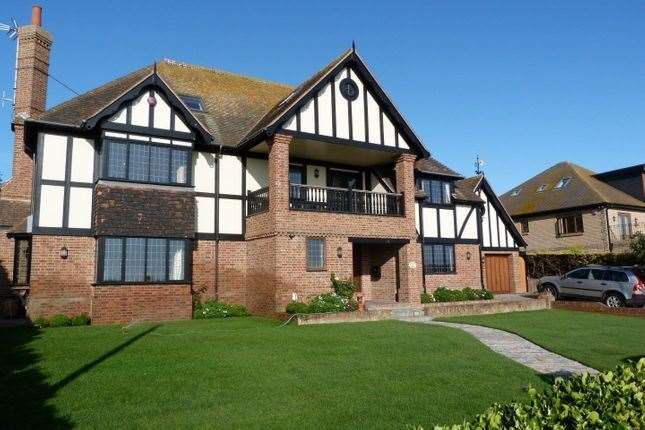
{"points": [[521, 350]]}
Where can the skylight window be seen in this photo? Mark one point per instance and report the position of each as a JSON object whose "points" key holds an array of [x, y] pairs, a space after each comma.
{"points": [[563, 182], [193, 103], [515, 192], [541, 188]]}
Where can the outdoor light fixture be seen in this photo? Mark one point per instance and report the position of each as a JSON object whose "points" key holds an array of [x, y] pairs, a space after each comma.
{"points": [[63, 252], [339, 252], [468, 255], [152, 101], [316, 173]]}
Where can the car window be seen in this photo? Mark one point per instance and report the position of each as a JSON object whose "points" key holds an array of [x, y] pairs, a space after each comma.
{"points": [[598, 274], [579, 274], [616, 276]]}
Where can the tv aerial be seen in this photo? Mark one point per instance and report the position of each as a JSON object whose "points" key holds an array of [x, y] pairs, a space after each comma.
{"points": [[478, 166], [11, 30]]}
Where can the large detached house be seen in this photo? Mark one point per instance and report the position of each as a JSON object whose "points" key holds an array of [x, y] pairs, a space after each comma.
{"points": [[176, 180], [567, 207]]}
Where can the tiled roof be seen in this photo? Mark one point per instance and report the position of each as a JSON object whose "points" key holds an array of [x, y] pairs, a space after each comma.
{"points": [[233, 103], [433, 166], [13, 212], [583, 190], [465, 189]]}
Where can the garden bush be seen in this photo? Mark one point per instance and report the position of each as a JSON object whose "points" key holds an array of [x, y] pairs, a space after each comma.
{"points": [[328, 302], [611, 400], [443, 294], [343, 287], [214, 309], [79, 320], [538, 265], [427, 298], [297, 308], [60, 320]]}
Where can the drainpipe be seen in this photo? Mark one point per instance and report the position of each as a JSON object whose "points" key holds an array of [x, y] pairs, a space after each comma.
{"points": [[218, 157], [608, 229]]}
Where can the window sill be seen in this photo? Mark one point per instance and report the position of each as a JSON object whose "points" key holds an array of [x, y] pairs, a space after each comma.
{"points": [[142, 283], [316, 270], [570, 234]]}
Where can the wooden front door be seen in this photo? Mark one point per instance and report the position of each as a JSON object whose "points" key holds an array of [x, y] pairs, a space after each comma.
{"points": [[498, 277]]}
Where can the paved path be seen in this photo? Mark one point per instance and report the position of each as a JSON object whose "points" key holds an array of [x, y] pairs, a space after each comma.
{"points": [[521, 350]]}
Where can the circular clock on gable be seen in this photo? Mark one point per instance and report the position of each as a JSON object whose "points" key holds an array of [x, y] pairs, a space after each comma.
{"points": [[348, 89]]}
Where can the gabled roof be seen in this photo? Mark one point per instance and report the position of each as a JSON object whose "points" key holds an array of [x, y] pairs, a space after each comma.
{"points": [[238, 110], [464, 190], [583, 190], [470, 186], [433, 166], [233, 103]]}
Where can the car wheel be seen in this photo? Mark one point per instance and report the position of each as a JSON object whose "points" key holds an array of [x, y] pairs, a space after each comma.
{"points": [[551, 290], [614, 300]]}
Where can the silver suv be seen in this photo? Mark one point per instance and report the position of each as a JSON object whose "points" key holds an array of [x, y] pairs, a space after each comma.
{"points": [[614, 285]]}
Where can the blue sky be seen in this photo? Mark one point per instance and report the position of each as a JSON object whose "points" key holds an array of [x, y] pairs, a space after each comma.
{"points": [[524, 85]]}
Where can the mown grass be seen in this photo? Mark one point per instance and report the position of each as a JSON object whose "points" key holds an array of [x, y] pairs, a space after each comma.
{"points": [[250, 373], [597, 340]]}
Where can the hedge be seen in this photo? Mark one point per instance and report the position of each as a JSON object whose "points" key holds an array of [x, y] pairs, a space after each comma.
{"points": [[538, 265], [610, 400]]}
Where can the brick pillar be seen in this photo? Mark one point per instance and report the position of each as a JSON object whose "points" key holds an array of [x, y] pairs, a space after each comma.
{"points": [[278, 172], [34, 44], [410, 262]]}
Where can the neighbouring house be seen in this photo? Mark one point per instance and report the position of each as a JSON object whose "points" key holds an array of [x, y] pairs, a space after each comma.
{"points": [[176, 180], [568, 207]]}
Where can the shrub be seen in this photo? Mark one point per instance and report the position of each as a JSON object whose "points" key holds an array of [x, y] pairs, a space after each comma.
{"points": [[297, 308], [60, 320], [328, 302], [80, 320], [343, 287], [637, 247], [213, 309], [41, 322], [427, 298], [538, 265], [611, 400], [443, 294]]}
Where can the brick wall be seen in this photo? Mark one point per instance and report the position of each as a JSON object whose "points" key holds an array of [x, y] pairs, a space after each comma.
{"points": [[542, 237], [468, 273], [141, 210], [231, 276], [384, 256], [61, 285], [261, 274], [135, 303], [31, 93]]}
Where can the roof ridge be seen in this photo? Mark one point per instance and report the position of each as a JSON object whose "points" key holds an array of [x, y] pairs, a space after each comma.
{"points": [[216, 70], [585, 178]]}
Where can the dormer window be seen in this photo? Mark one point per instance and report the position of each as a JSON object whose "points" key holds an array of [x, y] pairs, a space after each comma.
{"points": [[193, 103], [563, 182], [541, 188], [515, 192]]}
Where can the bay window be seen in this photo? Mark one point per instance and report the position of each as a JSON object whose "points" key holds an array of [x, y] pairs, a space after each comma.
{"points": [[142, 260]]}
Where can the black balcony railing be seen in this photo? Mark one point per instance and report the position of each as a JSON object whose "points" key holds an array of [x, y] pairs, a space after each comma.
{"points": [[258, 201], [341, 200]]}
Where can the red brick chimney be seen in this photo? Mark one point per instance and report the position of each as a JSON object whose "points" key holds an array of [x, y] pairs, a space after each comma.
{"points": [[34, 44]]}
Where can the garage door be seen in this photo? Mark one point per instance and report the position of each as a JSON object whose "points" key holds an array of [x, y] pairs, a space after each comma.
{"points": [[498, 279]]}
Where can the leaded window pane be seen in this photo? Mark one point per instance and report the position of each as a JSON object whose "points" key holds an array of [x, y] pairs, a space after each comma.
{"points": [[159, 164], [135, 259], [179, 168], [117, 154], [176, 252], [112, 259], [156, 260], [139, 161], [315, 253]]}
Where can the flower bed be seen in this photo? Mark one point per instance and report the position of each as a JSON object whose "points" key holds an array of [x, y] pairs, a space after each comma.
{"points": [[341, 299], [443, 294]]}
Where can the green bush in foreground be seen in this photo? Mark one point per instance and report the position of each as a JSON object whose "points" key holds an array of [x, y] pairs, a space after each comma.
{"points": [[214, 309], [427, 298], [611, 400], [339, 300], [297, 308], [61, 320], [443, 294]]}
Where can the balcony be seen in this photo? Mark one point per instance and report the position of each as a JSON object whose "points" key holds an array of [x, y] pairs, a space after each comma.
{"points": [[332, 200]]}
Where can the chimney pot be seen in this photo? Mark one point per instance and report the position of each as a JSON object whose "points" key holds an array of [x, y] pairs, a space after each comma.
{"points": [[36, 15]]}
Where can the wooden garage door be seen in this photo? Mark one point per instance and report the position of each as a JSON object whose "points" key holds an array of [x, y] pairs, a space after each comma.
{"points": [[498, 279]]}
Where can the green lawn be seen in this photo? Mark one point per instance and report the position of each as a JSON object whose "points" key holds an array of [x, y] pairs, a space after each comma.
{"points": [[250, 373], [599, 341]]}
